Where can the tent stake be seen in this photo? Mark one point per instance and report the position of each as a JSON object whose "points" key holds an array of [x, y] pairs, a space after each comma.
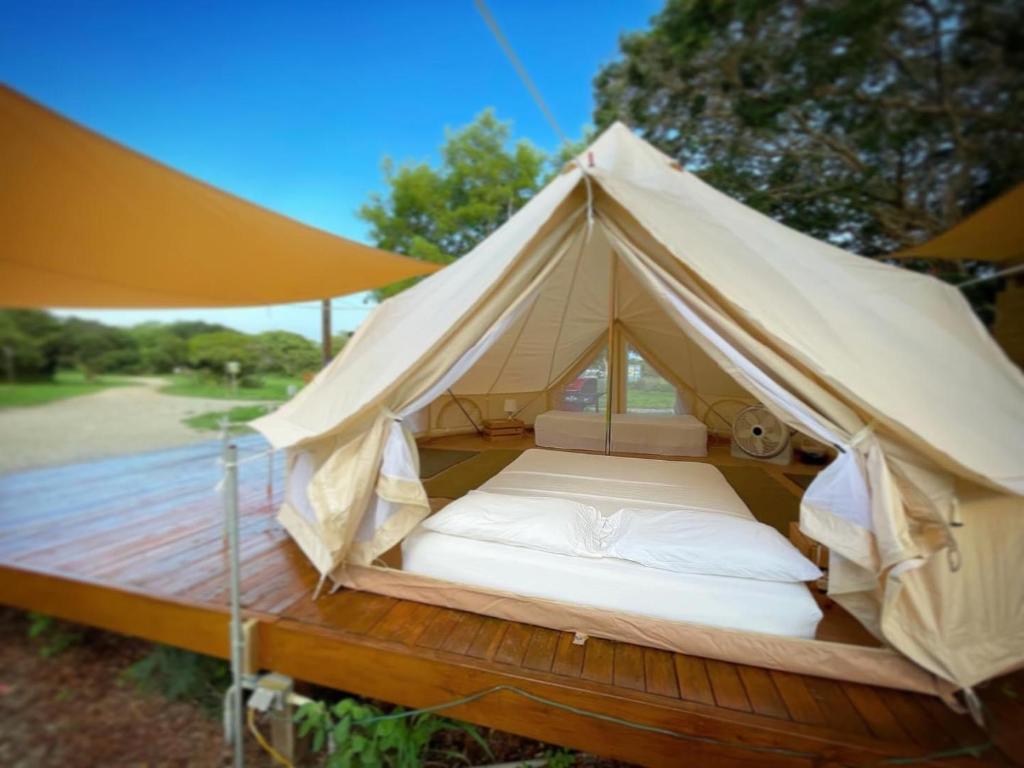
{"points": [[237, 641]]}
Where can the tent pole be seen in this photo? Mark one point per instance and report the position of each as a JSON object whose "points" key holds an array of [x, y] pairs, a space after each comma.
{"points": [[237, 640], [325, 331], [610, 374]]}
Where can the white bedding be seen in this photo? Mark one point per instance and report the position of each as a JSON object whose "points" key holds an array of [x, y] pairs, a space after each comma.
{"points": [[773, 607], [649, 433], [613, 482], [610, 483]]}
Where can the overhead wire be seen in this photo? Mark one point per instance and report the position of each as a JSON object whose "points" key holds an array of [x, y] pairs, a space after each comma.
{"points": [[538, 98]]}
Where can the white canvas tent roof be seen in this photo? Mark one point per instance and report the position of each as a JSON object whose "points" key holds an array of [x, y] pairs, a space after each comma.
{"points": [[888, 365]]}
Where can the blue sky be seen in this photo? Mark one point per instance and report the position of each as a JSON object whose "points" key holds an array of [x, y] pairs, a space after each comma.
{"points": [[294, 105]]}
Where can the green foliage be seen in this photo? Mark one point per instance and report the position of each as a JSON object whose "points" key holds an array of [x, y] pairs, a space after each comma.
{"points": [[161, 349], [287, 353], [211, 420], [211, 385], [357, 733], [213, 350], [182, 676], [439, 214], [560, 758], [873, 124], [186, 329], [54, 636], [29, 345], [96, 348]]}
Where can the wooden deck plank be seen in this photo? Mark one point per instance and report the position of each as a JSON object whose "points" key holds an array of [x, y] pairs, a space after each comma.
{"points": [[660, 673], [876, 715], [437, 631], [628, 668], [802, 706], [761, 691], [461, 637], [915, 720], [568, 656], [835, 705], [347, 609], [727, 686], [513, 645], [405, 622], [598, 660], [692, 675], [487, 640], [540, 651]]}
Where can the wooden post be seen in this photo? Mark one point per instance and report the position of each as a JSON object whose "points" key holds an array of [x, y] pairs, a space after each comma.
{"points": [[237, 644], [325, 331]]}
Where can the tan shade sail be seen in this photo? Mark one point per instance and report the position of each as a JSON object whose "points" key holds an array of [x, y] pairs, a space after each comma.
{"points": [[992, 233], [86, 222]]}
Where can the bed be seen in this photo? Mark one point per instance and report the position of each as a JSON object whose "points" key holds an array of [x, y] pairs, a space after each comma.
{"points": [[610, 483], [650, 433]]}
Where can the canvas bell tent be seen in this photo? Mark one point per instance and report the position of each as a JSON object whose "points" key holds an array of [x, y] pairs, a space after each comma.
{"points": [[922, 509]]}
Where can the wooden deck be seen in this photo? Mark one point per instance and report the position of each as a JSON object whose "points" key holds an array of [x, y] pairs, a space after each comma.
{"points": [[135, 545]]}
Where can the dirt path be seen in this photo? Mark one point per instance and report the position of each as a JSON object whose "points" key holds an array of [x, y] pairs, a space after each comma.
{"points": [[124, 419]]}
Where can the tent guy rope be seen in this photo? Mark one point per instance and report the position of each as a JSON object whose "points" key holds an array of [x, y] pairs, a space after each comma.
{"points": [[538, 98]]}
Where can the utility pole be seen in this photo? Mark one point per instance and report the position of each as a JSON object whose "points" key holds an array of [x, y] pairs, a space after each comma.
{"points": [[325, 331]]}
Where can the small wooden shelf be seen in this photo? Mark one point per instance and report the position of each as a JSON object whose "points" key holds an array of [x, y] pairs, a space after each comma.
{"points": [[499, 429]]}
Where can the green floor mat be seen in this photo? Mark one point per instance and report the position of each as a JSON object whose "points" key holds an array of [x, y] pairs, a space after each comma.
{"points": [[434, 461], [460, 479], [770, 502]]}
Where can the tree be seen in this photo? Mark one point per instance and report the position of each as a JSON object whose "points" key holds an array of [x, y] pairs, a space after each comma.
{"points": [[160, 348], [97, 348], [870, 123], [213, 350], [186, 329], [439, 214], [29, 344], [284, 352]]}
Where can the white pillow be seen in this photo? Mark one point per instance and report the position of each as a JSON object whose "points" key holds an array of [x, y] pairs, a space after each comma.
{"points": [[550, 524], [691, 541]]}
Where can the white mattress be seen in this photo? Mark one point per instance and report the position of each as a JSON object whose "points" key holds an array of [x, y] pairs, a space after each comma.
{"points": [[772, 607], [609, 483], [650, 433]]}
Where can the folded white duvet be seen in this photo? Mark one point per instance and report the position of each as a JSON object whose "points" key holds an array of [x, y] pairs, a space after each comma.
{"points": [[680, 540]]}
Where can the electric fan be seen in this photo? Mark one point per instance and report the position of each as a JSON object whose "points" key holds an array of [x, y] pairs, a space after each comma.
{"points": [[757, 434]]}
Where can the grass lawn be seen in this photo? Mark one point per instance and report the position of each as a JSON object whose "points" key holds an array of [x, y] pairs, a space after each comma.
{"points": [[210, 420], [660, 399], [274, 387], [65, 384]]}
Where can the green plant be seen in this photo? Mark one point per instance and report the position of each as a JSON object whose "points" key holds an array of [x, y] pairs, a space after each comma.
{"points": [[55, 636], [356, 733], [560, 758], [181, 676], [236, 418]]}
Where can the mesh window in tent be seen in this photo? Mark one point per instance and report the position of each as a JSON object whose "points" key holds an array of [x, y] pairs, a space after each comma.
{"points": [[586, 392]]}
